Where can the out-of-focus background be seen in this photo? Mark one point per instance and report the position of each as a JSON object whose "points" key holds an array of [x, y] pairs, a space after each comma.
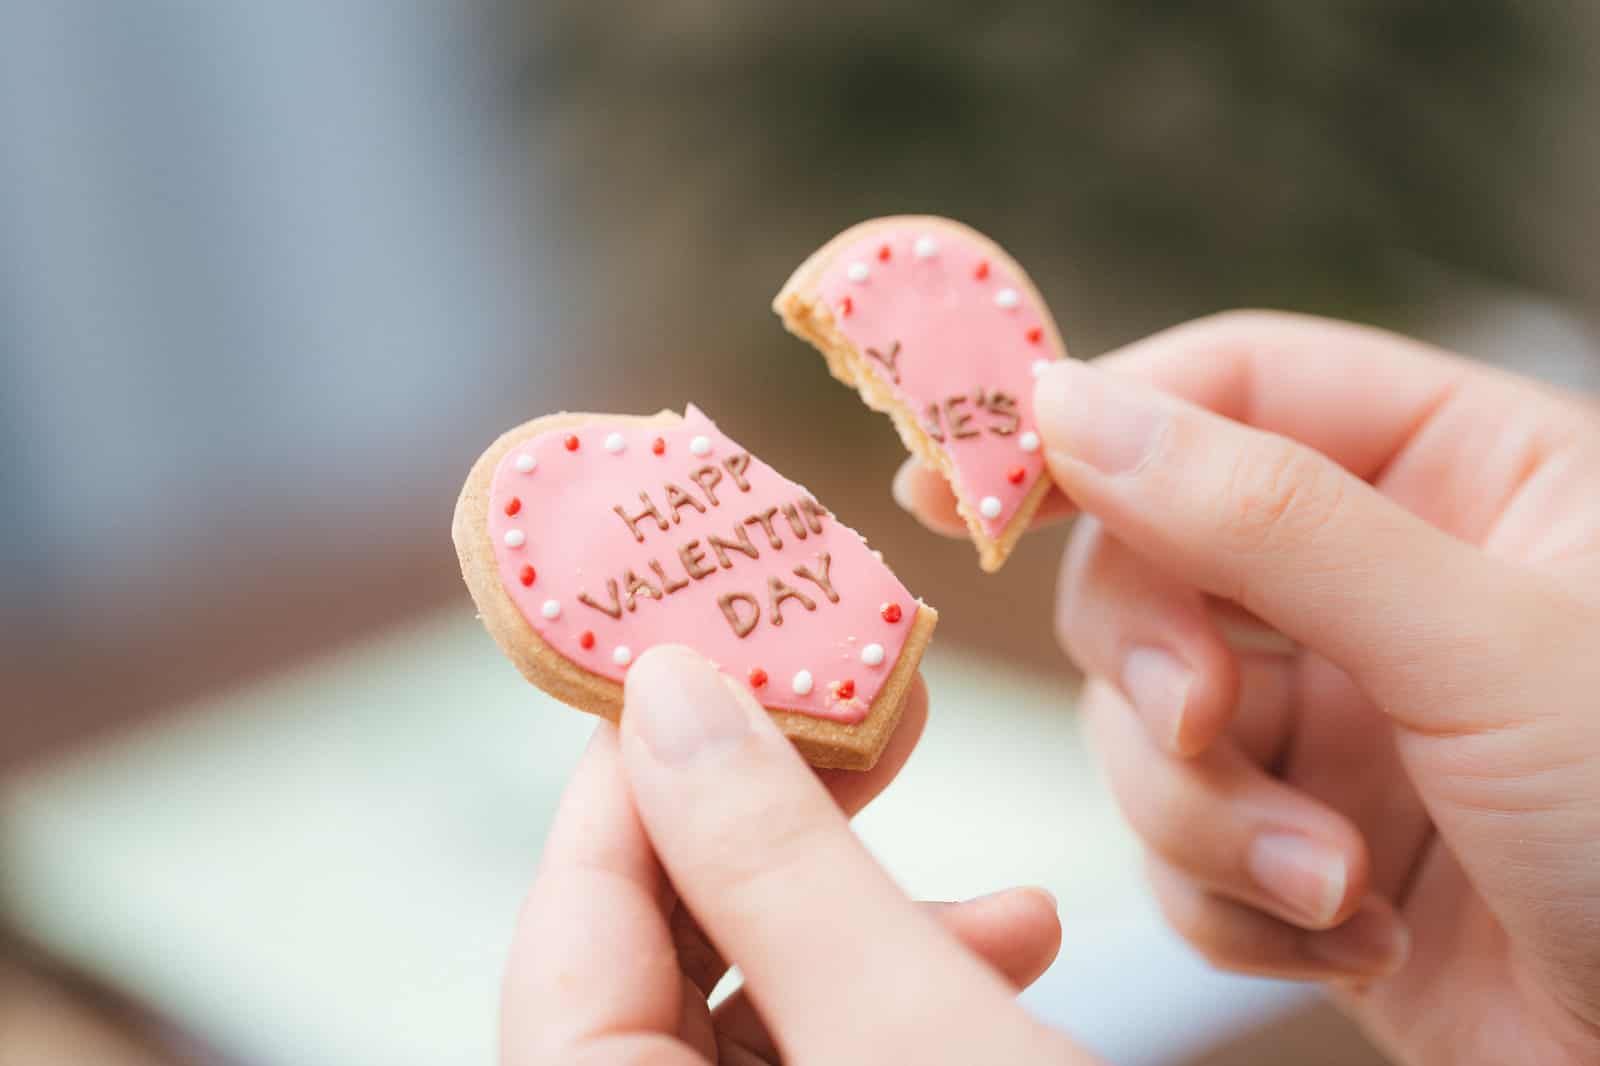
{"points": [[271, 275]]}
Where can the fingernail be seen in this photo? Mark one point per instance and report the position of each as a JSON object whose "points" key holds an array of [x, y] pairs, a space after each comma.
{"points": [[1372, 941], [1088, 416], [1158, 684], [900, 488], [680, 707], [1308, 878]]}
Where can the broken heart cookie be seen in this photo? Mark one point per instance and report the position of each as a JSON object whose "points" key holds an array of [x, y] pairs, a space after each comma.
{"points": [[940, 329], [586, 539]]}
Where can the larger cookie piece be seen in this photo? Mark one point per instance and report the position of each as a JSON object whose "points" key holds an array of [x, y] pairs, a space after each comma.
{"points": [[587, 538], [940, 329]]}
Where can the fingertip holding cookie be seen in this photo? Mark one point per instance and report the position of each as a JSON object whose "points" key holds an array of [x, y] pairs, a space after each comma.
{"points": [[629, 532], [944, 334]]}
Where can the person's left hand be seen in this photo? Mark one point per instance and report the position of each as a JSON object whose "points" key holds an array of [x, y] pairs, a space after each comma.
{"points": [[608, 966]]}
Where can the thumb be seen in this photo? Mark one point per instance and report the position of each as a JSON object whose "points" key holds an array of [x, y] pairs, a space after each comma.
{"points": [[1285, 532], [836, 959]]}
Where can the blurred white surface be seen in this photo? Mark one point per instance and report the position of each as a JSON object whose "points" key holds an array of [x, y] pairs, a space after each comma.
{"points": [[326, 867]]}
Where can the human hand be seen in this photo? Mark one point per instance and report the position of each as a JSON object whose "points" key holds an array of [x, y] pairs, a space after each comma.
{"points": [[1407, 801], [698, 805]]}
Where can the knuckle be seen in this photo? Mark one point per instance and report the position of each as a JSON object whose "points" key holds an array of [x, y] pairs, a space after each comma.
{"points": [[1199, 920], [1279, 493], [763, 845], [1160, 807]]}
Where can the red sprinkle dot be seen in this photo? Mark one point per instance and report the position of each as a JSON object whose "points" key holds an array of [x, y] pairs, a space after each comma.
{"points": [[883, 254], [571, 442], [982, 271], [890, 612], [845, 689], [758, 677], [1015, 475], [513, 505], [846, 305], [527, 576], [1035, 335], [586, 639], [658, 446]]}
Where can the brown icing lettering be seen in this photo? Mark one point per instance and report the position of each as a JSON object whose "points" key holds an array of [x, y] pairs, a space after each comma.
{"points": [[1000, 406], [741, 625], [958, 420], [677, 498], [633, 520], [779, 590], [693, 558], [821, 580], [1004, 406], [813, 512], [793, 515], [740, 543], [888, 360], [633, 585], [615, 607], [707, 477], [736, 465], [668, 585], [765, 518]]}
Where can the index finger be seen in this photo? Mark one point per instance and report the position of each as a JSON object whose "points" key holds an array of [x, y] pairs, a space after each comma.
{"points": [[592, 955], [1354, 393]]}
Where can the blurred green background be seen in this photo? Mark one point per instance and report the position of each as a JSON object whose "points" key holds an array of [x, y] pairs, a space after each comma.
{"points": [[272, 275]]}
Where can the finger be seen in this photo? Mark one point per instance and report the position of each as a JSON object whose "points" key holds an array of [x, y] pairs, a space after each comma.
{"points": [[852, 790], [1450, 440], [1284, 532], [1301, 377], [924, 492], [1263, 717], [591, 957], [1119, 617], [1016, 932], [1372, 942], [763, 857], [1224, 823]]}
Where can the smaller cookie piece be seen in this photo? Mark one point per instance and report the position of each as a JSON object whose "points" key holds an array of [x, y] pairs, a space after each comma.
{"points": [[587, 539], [940, 329]]}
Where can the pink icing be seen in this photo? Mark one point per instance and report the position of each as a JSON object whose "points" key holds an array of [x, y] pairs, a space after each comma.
{"points": [[576, 542], [954, 341]]}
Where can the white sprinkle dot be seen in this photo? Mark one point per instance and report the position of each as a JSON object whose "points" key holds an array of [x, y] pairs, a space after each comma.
{"points": [[1029, 441], [857, 272], [615, 443], [801, 683], [1007, 298], [925, 248], [526, 463], [622, 655], [872, 654], [1040, 366], [878, 555], [989, 507], [700, 445], [551, 609], [515, 538]]}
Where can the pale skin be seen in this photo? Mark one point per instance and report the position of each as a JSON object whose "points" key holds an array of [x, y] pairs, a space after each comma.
{"points": [[1398, 794], [1405, 801]]}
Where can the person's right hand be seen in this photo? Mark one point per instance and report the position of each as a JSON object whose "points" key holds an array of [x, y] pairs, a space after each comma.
{"points": [[1407, 801]]}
